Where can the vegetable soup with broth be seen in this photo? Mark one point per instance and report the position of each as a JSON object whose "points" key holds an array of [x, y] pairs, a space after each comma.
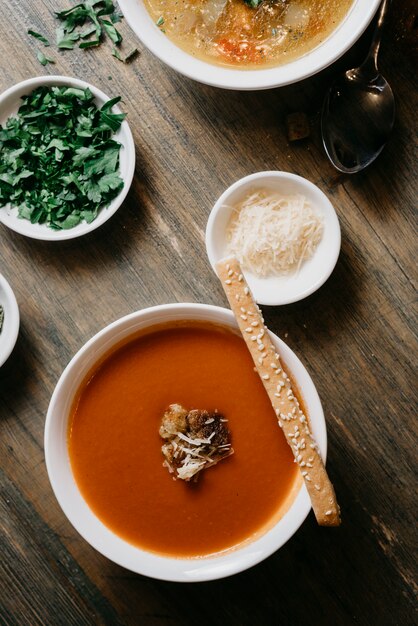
{"points": [[248, 35]]}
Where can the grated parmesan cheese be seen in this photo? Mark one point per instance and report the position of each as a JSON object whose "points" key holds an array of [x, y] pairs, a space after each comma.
{"points": [[272, 234]]}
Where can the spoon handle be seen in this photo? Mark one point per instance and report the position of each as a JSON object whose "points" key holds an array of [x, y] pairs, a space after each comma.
{"points": [[371, 59]]}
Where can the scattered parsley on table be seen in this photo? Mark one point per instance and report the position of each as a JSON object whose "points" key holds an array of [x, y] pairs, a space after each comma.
{"points": [[86, 24]]}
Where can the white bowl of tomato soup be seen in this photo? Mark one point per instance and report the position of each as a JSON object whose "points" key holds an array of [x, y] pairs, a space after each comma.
{"points": [[229, 44], [103, 449]]}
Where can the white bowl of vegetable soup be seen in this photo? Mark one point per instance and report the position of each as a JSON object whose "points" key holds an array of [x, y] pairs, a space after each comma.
{"points": [[248, 44]]}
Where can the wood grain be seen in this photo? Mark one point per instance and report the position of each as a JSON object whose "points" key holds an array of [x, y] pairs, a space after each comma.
{"points": [[356, 336]]}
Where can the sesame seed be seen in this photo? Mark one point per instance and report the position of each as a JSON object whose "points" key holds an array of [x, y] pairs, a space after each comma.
{"points": [[273, 365], [265, 377], [308, 478], [277, 395], [285, 376], [253, 338], [276, 356], [299, 458], [260, 359], [302, 419], [328, 512], [261, 346], [280, 424], [243, 310], [237, 297], [228, 282], [246, 291], [248, 330], [309, 465], [244, 317], [317, 487], [304, 474], [302, 463], [240, 277], [230, 272], [255, 323], [228, 266]]}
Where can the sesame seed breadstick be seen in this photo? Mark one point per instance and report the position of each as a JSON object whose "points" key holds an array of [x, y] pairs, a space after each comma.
{"points": [[291, 419]]}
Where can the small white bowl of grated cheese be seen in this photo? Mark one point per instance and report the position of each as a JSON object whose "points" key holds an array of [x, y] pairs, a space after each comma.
{"points": [[283, 230]]}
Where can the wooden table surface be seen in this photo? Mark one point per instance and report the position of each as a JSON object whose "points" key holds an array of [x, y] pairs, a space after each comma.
{"points": [[355, 336]]}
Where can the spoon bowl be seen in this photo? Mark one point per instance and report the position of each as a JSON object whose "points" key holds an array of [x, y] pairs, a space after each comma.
{"points": [[359, 112], [357, 119]]}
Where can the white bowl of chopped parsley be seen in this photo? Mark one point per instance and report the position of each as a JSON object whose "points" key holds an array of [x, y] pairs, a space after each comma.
{"points": [[68, 158], [9, 320]]}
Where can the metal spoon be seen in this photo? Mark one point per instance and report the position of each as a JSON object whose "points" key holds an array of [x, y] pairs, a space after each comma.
{"points": [[359, 111]]}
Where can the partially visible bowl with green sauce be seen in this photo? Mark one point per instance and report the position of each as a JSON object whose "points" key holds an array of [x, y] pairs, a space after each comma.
{"points": [[9, 320]]}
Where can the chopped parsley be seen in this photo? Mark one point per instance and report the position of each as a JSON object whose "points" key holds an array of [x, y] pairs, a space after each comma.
{"points": [[59, 163], [128, 58], [93, 18], [253, 3], [41, 38], [160, 21], [43, 60], [87, 25]]}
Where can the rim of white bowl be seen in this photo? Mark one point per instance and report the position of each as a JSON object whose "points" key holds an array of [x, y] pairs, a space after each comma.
{"points": [[336, 44], [11, 321], [92, 529], [332, 237], [9, 102]]}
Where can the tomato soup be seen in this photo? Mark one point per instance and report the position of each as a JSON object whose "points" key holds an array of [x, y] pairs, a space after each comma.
{"points": [[115, 447]]}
